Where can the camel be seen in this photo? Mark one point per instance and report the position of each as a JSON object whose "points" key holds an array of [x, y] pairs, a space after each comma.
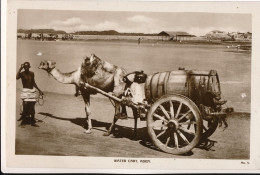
{"points": [[97, 73]]}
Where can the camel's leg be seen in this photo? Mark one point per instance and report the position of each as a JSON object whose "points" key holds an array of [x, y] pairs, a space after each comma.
{"points": [[88, 113], [77, 93], [109, 131], [120, 114], [123, 112], [119, 87], [117, 110], [135, 124]]}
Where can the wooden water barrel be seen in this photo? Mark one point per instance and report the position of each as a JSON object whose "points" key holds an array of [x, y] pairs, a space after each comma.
{"points": [[192, 84]]}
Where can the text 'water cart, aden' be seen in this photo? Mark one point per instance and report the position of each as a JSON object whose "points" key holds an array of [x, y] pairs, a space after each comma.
{"points": [[181, 107]]}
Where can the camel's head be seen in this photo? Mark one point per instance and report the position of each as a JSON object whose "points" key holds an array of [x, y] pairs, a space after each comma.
{"points": [[47, 65]]}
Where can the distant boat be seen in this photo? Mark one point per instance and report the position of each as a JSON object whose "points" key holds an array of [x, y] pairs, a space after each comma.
{"points": [[242, 47], [245, 47]]}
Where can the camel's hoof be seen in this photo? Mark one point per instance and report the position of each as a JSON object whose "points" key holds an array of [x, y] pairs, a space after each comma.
{"points": [[88, 131], [106, 134], [121, 116], [77, 94]]}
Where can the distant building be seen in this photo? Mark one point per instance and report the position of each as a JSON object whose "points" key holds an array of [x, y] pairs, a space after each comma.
{"points": [[248, 35], [59, 36], [175, 35], [218, 35], [21, 35], [67, 36], [217, 32], [240, 35], [36, 36], [49, 36]]}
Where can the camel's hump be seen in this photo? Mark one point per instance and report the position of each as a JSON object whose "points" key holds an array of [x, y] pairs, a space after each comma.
{"points": [[109, 67]]}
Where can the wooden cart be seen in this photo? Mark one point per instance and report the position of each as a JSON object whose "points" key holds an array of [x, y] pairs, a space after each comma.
{"points": [[181, 108]]}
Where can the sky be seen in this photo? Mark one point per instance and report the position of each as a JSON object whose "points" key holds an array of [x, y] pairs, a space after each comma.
{"points": [[144, 22]]}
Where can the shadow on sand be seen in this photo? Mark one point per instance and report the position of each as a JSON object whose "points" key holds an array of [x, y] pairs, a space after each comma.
{"points": [[127, 132], [119, 131], [206, 144]]}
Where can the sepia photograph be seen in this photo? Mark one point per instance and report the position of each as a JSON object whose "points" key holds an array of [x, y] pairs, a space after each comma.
{"points": [[132, 86]]}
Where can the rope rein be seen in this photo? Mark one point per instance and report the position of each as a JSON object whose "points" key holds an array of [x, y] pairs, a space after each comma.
{"points": [[40, 100], [112, 102]]}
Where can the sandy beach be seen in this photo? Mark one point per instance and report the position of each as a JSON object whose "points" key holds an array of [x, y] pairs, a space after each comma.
{"points": [[62, 120]]}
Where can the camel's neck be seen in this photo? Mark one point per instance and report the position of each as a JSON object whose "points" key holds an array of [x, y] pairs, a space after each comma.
{"points": [[66, 78]]}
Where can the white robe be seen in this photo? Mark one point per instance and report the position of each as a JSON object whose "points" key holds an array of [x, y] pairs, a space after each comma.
{"points": [[137, 91], [28, 94]]}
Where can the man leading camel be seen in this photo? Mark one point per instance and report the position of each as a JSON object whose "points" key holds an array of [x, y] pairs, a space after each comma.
{"points": [[28, 94]]}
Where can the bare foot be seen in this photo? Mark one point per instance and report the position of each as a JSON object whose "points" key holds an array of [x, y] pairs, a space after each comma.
{"points": [[20, 118], [106, 134], [22, 126], [88, 131], [35, 125]]}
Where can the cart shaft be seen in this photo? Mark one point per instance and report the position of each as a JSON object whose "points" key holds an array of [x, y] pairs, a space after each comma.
{"points": [[101, 92]]}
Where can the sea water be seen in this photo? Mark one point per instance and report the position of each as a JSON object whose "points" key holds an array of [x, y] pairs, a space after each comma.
{"points": [[234, 68]]}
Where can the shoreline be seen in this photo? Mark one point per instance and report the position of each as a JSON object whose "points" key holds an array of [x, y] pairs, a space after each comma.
{"points": [[188, 42]]}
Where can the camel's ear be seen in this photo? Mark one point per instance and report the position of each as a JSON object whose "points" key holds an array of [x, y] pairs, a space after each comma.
{"points": [[52, 65], [92, 58], [40, 65]]}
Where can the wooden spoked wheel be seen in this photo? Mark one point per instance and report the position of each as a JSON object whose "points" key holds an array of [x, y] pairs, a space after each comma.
{"points": [[174, 124]]}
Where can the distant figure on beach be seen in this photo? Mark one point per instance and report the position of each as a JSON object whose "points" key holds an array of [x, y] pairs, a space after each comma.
{"points": [[28, 94], [139, 41]]}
